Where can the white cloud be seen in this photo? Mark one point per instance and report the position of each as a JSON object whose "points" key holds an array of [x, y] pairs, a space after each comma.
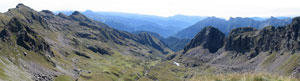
{"points": [[219, 8]]}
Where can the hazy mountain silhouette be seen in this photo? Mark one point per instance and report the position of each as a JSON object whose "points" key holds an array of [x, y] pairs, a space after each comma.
{"points": [[165, 26], [227, 25]]}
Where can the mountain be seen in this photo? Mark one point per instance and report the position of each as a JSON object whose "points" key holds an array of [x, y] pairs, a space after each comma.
{"points": [[156, 35], [209, 38], [227, 25], [165, 26], [174, 43], [271, 49], [42, 46], [259, 18]]}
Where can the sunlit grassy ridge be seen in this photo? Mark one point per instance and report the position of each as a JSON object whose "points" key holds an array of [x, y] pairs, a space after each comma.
{"points": [[242, 77]]}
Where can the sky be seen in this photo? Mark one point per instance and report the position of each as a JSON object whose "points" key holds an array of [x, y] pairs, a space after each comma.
{"points": [[218, 8]]}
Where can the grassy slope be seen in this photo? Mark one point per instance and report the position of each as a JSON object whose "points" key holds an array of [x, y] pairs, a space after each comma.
{"points": [[242, 77], [118, 66]]}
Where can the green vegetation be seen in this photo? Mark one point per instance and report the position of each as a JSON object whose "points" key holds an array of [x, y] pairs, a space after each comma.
{"points": [[63, 78], [289, 65], [268, 60], [242, 77], [167, 71], [111, 68]]}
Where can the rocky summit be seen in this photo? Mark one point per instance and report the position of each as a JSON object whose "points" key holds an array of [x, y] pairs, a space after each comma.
{"points": [[245, 49], [209, 38]]}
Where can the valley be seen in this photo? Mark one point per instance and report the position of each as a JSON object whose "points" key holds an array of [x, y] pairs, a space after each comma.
{"points": [[98, 46]]}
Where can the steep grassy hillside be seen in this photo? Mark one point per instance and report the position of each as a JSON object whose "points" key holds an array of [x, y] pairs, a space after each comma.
{"points": [[42, 46]]}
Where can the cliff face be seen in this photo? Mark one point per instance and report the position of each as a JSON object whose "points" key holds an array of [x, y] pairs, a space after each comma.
{"points": [[209, 38], [247, 49], [266, 39], [25, 36]]}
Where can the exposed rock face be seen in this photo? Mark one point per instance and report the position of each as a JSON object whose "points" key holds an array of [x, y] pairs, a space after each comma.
{"points": [[240, 42], [25, 36], [210, 38], [27, 15], [100, 50], [5, 34], [248, 49], [48, 12], [267, 39], [77, 16], [82, 54], [63, 16]]}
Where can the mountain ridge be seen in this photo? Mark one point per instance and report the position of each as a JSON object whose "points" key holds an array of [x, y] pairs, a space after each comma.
{"points": [[43, 46], [226, 25], [246, 49]]}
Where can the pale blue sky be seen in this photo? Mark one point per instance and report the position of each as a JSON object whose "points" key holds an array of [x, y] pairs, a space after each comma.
{"points": [[219, 8]]}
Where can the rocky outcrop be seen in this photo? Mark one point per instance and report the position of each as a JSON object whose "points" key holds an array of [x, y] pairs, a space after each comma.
{"points": [[25, 36], [77, 16], [239, 42], [267, 39], [100, 50], [82, 54], [248, 39], [63, 16], [209, 38], [27, 14], [247, 49]]}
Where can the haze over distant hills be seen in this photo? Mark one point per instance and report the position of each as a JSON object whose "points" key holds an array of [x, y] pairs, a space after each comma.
{"points": [[180, 26], [165, 26], [227, 25]]}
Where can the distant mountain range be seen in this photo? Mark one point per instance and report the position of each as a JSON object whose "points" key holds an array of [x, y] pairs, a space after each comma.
{"points": [[180, 26], [176, 31], [227, 25], [165, 26]]}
